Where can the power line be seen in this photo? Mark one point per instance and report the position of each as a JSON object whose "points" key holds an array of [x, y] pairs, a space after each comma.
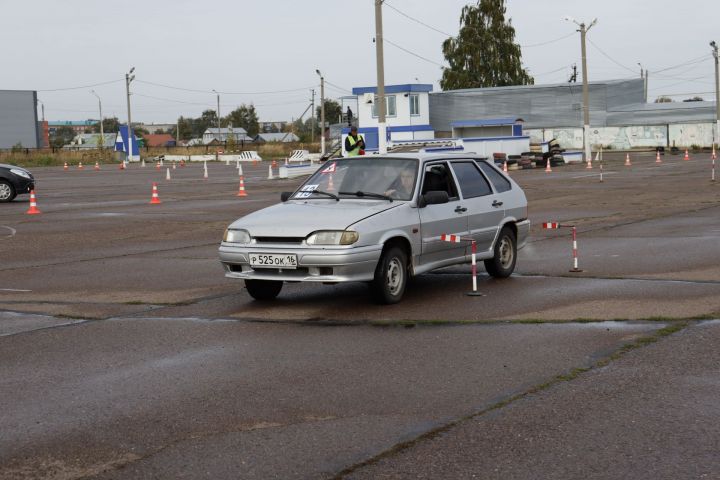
{"points": [[221, 92], [418, 21], [551, 71], [610, 58], [414, 54], [549, 41], [338, 87], [689, 62], [82, 86]]}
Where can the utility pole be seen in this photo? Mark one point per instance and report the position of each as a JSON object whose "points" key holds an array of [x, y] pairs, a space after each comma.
{"points": [[645, 85], [382, 129], [102, 132], [129, 78], [312, 123], [586, 102], [177, 134], [322, 113], [717, 92], [219, 137]]}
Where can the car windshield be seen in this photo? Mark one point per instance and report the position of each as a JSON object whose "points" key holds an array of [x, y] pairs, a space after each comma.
{"points": [[365, 178]]}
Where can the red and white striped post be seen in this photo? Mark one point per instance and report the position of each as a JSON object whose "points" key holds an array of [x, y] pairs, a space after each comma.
{"points": [[714, 156], [556, 225], [473, 246]]}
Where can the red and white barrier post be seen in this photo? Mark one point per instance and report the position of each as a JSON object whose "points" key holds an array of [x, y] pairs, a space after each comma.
{"points": [[556, 225], [473, 246], [714, 156]]}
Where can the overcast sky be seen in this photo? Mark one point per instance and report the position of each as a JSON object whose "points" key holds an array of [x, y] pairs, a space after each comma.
{"points": [[244, 47]]}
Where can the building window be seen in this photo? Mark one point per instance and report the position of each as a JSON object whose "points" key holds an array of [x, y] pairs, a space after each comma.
{"points": [[414, 104], [390, 110]]}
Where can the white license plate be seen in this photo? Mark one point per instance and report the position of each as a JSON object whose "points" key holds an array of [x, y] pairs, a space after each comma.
{"points": [[273, 260]]}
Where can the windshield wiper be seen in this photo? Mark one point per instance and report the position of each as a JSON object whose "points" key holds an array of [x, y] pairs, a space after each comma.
{"points": [[361, 194], [331, 195]]}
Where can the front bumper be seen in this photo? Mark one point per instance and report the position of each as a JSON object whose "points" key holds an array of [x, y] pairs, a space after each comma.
{"points": [[23, 185], [315, 264]]}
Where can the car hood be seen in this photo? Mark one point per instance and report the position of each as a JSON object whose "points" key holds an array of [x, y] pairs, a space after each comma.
{"points": [[5, 165], [300, 219]]}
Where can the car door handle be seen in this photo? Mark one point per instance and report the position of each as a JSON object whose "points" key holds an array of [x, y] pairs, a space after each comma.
{"points": [[497, 204], [460, 209]]}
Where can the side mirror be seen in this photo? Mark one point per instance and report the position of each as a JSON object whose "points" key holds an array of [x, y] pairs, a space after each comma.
{"points": [[285, 196], [434, 197]]}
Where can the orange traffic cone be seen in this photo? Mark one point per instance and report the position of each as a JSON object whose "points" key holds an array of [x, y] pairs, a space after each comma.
{"points": [[548, 169], [331, 184], [97, 166], [155, 197], [657, 157], [65, 167], [241, 192], [122, 165], [274, 164], [80, 166], [627, 160], [157, 165], [505, 166], [33, 210], [686, 157], [182, 163], [254, 162]]}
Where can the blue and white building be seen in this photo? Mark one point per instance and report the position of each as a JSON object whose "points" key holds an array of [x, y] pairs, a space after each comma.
{"points": [[407, 114]]}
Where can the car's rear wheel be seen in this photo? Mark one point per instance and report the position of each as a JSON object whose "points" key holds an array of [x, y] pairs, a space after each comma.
{"points": [[7, 192], [391, 275], [263, 289], [502, 264]]}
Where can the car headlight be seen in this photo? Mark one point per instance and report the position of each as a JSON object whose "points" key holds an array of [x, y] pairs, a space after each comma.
{"points": [[345, 237], [237, 236], [20, 173]]}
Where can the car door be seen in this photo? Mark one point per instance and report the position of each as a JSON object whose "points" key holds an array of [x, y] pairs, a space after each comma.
{"points": [[446, 218], [484, 212]]}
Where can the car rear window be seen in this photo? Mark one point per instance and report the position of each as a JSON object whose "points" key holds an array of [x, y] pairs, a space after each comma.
{"points": [[472, 182], [500, 183]]}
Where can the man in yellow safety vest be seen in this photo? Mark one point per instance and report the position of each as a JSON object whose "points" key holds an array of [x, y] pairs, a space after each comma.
{"points": [[354, 143]]}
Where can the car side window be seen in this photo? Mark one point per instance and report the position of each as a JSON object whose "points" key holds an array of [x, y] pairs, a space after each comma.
{"points": [[500, 183], [437, 177], [472, 182]]}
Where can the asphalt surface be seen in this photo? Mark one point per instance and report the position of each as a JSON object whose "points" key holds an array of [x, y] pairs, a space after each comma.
{"points": [[125, 353]]}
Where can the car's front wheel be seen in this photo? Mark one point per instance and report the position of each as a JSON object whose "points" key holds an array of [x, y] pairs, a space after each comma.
{"points": [[7, 192], [263, 289], [502, 264], [391, 276]]}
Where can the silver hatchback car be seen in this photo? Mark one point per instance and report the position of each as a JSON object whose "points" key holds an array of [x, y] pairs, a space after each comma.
{"points": [[380, 219]]}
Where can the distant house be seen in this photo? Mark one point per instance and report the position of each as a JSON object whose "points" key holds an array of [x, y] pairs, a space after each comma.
{"points": [[220, 135], [159, 140], [78, 127], [89, 141], [193, 142], [276, 137]]}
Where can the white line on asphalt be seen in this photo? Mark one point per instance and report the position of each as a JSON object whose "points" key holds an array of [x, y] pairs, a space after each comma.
{"points": [[14, 290], [595, 174], [12, 232]]}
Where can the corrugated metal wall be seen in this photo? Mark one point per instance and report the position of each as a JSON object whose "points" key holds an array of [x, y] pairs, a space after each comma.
{"points": [[18, 119], [541, 106]]}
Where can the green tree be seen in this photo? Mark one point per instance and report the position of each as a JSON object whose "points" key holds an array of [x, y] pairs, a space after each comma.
{"points": [[484, 54], [333, 111], [110, 125], [63, 135], [245, 117]]}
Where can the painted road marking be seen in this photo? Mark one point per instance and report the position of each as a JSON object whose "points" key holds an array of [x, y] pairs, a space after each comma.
{"points": [[12, 232], [14, 290]]}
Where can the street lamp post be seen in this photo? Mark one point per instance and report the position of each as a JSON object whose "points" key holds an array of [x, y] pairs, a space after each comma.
{"points": [[219, 137], [717, 92], [129, 77], [586, 104], [322, 113], [102, 132]]}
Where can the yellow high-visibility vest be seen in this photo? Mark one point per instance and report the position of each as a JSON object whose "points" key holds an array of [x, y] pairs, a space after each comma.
{"points": [[355, 150]]}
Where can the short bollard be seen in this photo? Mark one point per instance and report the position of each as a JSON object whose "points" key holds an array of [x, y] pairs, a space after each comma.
{"points": [[556, 225], [473, 246]]}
